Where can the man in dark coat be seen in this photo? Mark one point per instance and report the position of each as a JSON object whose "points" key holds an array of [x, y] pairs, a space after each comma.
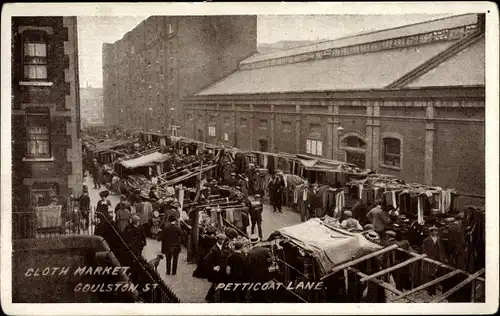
{"points": [[457, 243], [84, 205], [259, 261], [215, 261], [309, 204], [96, 174], [171, 240], [135, 236], [434, 249], [236, 272], [275, 192], [317, 202]]}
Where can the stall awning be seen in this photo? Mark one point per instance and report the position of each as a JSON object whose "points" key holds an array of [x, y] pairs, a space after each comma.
{"points": [[146, 160], [308, 163], [330, 246]]}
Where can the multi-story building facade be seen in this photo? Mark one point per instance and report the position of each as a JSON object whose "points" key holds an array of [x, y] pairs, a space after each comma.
{"points": [[91, 101], [46, 146], [408, 101], [166, 58]]}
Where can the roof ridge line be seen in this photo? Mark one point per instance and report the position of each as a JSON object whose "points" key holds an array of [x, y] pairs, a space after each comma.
{"points": [[366, 33], [435, 61]]}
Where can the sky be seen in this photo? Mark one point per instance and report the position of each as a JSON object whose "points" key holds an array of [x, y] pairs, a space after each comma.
{"points": [[93, 31]]}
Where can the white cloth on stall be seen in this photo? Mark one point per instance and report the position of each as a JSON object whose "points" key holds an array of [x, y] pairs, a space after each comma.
{"points": [[394, 200], [445, 201], [181, 198], [339, 204], [230, 215], [420, 212]]}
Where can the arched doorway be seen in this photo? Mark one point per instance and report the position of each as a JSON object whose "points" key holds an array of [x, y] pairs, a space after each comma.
{"points": [[354, 147]]}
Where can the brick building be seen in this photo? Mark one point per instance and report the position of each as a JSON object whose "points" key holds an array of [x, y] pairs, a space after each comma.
{"points": [[46, 147], [91, 106], [407, 101], [166, 58]]}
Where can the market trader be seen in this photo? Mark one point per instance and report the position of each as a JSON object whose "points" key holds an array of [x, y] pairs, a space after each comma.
{"points": [[256, 215]]}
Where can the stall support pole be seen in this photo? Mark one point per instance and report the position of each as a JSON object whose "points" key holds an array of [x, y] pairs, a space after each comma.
{"points": [[193, 247]]}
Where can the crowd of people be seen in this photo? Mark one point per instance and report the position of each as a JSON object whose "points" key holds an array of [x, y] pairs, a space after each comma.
{"points": [[225, 257]]}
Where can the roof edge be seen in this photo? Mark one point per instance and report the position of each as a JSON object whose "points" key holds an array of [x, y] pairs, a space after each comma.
{"points": [[435, 61]]}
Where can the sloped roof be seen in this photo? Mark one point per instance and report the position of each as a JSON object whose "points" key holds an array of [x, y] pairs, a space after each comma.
{"points": [[328, 245], [373, 70], [467, 68], [146, 160], [406, 30]]}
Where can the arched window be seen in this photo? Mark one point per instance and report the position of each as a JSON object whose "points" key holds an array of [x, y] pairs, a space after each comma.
{"points": [[392, 152], [354, 146], [354, 142]]}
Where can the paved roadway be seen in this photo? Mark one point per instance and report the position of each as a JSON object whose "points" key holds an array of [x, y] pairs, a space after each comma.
{"points": [[188, 288]]}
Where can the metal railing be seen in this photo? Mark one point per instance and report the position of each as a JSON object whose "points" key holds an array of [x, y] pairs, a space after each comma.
{"points": [[51, 223]]}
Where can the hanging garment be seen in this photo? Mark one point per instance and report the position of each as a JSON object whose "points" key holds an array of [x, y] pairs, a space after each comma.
{"points": [[420, 211], [394, 201], [445, 201], [181, 198], [368, 196], [339, 198], [375, 192], [360, 188], [404, 202]]}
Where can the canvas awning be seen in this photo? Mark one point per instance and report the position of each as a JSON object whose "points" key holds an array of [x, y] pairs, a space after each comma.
{"points": [[146, 160], [330, 246]]}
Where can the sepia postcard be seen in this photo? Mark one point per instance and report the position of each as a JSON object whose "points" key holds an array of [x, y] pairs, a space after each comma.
{"points": [[214, 158]]}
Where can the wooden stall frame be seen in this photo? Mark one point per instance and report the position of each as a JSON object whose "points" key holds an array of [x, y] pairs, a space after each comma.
{"points": [[415, 258]]}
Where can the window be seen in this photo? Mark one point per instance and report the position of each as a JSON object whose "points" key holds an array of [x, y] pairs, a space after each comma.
{"points": [[174, 131], [35, 60], [226, 137], [42, 193], [243, 122], [287, 126], [227, 120], [314, 147], [392, 152], [211, 131], [38, 133], [263, 124]]}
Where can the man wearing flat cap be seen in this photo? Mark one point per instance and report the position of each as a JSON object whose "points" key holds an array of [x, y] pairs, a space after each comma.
{"points": [[433, 247]]}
